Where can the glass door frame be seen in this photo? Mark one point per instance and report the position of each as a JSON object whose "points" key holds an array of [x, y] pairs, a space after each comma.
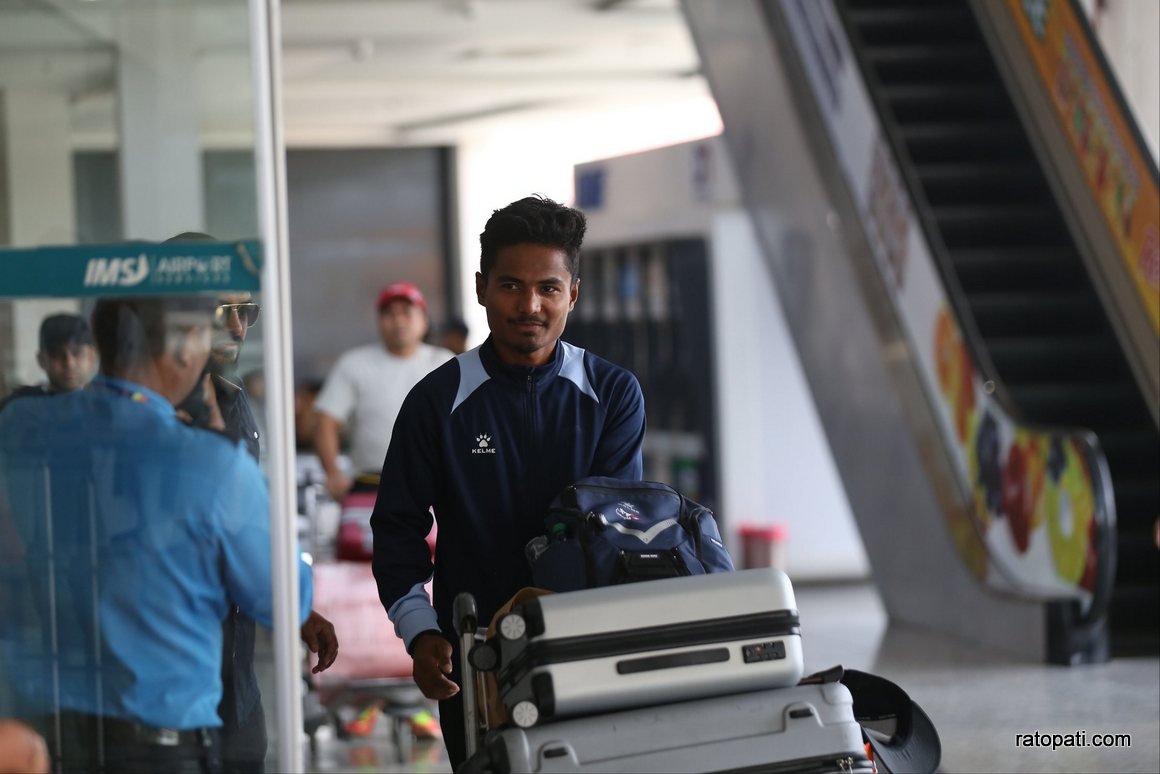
{"points": [[270, 163]]}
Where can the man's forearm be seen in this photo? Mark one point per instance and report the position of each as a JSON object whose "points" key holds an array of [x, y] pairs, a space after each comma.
{"points": [[326, 442]]}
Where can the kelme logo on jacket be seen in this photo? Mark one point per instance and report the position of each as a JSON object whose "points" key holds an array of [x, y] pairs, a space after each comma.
{"points": [[483, 445]]}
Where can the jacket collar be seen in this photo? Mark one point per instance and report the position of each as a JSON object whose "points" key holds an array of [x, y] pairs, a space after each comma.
{"points": [[518, 373]]}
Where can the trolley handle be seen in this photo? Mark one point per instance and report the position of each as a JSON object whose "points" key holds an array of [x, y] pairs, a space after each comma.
{"points": [[465, 615]]}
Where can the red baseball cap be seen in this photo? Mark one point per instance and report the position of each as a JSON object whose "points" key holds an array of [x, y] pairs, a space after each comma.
{"points": [[404, 291]]}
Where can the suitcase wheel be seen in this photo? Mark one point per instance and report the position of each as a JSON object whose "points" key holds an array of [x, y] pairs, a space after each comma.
{"points": [[525, 714], [513, 626], [484, 657]]}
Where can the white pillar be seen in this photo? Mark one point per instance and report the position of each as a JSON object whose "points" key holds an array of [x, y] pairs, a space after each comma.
{"points": [[37, 165], [160, 154], [37, 196]]}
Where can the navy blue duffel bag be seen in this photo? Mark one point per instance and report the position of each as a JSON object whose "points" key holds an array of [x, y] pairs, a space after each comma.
{"points": [[605, 531]]}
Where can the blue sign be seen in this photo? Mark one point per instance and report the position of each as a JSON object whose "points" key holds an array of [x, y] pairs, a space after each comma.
{"points": [[131, 269], [590, 189]]}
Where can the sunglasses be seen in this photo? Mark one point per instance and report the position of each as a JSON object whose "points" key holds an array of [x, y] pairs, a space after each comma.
{"points": [[247, 314]]}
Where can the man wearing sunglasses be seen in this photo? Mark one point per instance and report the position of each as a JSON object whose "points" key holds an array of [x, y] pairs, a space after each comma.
{"points": [[235, 314], [221, 403]]}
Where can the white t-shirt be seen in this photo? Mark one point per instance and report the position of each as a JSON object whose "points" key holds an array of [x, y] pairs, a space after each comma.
{"points": [[365, 390]]}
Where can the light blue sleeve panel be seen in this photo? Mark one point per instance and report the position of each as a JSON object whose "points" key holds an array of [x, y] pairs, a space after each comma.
{"points": [[413, 614]]}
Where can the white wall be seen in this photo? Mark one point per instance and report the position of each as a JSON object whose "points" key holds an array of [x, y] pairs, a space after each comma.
{"points": [[775, 465], [1129, 31], [775, 459], [36, 159], [500, 162]]}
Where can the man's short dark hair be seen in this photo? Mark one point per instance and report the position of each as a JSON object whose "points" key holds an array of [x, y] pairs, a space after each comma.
{"points": [[61, 330], [190, 236], [131, 331], [533, 220]]}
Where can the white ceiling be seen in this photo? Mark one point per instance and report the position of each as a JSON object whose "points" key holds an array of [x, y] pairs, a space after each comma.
{"points": [[370, 71]]}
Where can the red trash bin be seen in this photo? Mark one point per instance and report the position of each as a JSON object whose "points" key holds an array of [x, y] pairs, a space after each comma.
{"points": [[763, 545]]}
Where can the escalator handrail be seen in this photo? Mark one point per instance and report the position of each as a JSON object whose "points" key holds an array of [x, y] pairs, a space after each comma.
{"points": [[1113, 85]]}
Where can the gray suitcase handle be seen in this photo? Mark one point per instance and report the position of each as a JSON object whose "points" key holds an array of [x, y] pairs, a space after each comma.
{"points": [[466, 621]]}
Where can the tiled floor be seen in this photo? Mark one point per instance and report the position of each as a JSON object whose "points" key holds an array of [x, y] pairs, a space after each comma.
{"points": [[377, 754], [978, 700]]}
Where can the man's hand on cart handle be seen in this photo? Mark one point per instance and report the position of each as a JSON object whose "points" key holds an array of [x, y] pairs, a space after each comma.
{"points": [[318, 634], [432, 662]]}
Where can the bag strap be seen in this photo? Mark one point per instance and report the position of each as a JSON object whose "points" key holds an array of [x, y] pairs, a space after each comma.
{"points": [[912, 744], [831, 675], [587, 525], [690, 519]]}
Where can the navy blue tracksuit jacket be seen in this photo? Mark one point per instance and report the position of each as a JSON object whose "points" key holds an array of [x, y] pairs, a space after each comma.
{"points": [[488, 446]]}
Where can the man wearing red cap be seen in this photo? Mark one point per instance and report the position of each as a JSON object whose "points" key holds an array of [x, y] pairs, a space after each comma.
{"points": [[368, 384]]}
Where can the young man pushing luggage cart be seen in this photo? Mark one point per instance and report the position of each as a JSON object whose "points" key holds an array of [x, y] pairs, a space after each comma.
{"points": [[488, 439]]}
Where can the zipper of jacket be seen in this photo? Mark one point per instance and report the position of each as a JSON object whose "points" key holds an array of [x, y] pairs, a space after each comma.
{"points": [[533, 408], [530, 433]]}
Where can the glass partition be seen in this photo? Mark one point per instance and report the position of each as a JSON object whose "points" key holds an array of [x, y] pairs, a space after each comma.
{"points": [[137, 567]]}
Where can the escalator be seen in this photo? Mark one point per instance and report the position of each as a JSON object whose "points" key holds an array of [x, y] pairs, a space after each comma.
{"points": [[1018, 277], [979, 189]]}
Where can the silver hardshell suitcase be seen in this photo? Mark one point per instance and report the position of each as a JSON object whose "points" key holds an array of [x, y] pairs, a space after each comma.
{"points": [[640, 644], [807, 728]]}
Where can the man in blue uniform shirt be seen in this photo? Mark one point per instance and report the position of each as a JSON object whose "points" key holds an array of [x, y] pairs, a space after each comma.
{"points": [[136, 533], [488, 439]]}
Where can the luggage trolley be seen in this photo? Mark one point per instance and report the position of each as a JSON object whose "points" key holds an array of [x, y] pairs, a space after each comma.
{"points": [[678, 721]]}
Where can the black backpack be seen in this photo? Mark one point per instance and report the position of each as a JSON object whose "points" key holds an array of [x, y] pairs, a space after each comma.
{"points": [[604, 531]]}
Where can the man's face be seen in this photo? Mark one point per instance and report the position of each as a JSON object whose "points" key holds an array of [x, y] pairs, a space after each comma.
{"points": [[528, 294], [402, 325], [228, 340], [68, 367]]}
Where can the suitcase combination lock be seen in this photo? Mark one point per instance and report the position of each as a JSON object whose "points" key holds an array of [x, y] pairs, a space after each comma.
{"points": [[763, 651]]}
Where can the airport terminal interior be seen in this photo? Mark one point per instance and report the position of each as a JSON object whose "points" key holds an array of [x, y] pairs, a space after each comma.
{"points": [[887, 273]]}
